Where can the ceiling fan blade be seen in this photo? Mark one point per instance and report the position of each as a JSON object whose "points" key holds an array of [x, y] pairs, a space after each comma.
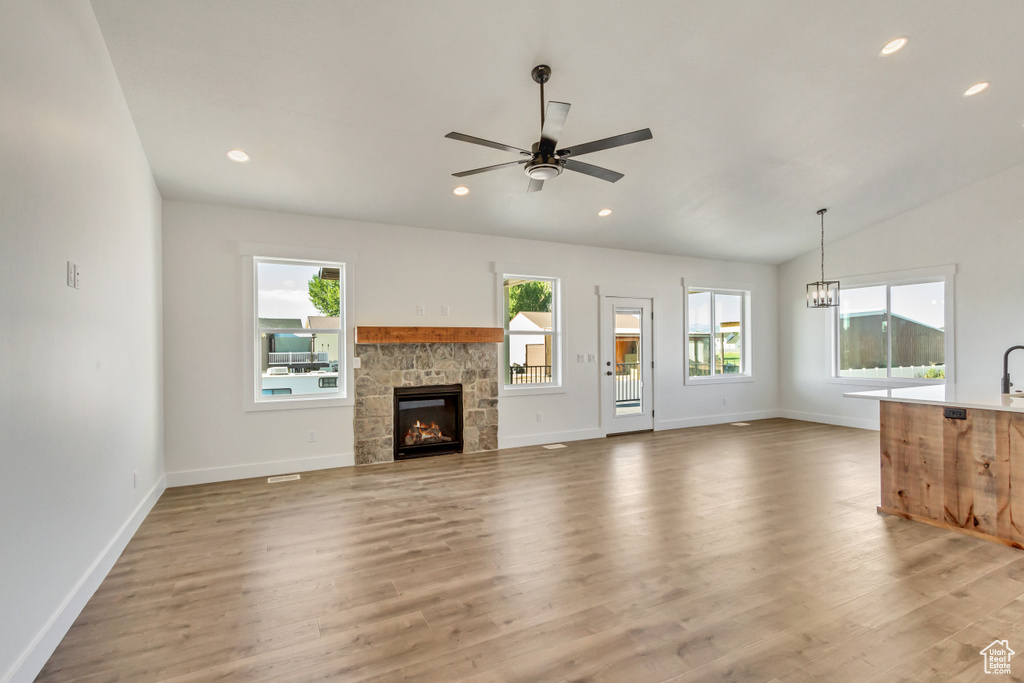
{"points": [[606, 143], [554, 119], [536, 185], [590, 169], [486, 143], [484, 169]]}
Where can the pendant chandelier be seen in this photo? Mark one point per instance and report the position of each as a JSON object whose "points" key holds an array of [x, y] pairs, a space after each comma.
{"points": [[823, 293]]}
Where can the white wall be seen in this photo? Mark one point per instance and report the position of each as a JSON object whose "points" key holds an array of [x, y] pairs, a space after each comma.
{"points": [[209, 436], [979, 229], [80, 407]]}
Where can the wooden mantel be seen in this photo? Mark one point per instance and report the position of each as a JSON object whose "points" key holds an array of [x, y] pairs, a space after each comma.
{"points": [[429, 335]]}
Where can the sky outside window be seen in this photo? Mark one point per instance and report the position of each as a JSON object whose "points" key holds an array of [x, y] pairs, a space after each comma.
{"points": [[284, 290]]}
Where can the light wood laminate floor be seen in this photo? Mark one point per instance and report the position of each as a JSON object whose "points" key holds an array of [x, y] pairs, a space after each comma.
{"points": [[718, 553]]}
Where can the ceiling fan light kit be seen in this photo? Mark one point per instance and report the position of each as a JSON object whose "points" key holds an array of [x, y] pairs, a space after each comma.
{"points": [[545, 160], [823, 293]]}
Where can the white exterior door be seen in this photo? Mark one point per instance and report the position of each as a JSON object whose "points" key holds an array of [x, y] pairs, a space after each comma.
{"points": [[627, 365]]}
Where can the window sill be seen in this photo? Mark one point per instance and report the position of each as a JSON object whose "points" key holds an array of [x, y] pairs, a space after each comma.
{"points": [[298, 404], [530, 390], [718, 379]]}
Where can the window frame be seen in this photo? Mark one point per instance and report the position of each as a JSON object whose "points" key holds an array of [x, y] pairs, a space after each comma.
{"points": [[252, 398], [746, 359], [502, 271], [944, 274]]}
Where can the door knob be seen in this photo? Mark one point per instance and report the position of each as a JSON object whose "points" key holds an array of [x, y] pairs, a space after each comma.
{"points": [[608, 363], [608, 373]]}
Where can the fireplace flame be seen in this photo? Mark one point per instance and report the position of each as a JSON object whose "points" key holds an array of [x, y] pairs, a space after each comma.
{"points": [[421, 433]]}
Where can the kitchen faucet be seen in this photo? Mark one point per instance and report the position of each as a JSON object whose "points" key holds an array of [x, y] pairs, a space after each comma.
{"points": [[1006, 368]]}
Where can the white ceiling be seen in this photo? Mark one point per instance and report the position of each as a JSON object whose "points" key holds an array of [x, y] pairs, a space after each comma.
{"points": [[762, 112]]}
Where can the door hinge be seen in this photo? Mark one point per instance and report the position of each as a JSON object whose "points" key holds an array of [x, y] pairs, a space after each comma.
{"points": [[652, 365], [652, 314]]}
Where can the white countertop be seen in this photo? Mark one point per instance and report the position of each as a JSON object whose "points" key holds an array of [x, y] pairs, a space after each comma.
{"points": [[958, 395]]}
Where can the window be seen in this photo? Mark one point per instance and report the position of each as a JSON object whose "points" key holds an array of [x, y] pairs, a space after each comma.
{"points": [[532, 331], [299, 344], [717, 336], [892, 331]]}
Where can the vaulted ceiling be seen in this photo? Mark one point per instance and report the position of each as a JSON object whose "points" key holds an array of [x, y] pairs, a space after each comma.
{"points": [[762, 112]]}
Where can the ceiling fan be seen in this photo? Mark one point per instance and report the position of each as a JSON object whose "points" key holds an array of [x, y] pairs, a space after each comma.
{"points": [[546, 160]]}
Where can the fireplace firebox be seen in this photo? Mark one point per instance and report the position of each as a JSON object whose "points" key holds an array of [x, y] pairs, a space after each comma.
{"points": [[428, 420]]}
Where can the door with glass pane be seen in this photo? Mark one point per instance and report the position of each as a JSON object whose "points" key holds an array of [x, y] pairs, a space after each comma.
{"points": [[627, 365]]}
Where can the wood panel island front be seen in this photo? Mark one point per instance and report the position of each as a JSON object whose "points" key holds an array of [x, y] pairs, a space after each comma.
{"points": [[953, 456]]}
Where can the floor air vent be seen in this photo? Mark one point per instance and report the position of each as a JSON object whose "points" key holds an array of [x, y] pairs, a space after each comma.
{"points": [[283, 477], [552, 446], [740, 424]]}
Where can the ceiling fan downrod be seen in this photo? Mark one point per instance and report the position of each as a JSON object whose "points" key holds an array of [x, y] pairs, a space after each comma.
{"points": [[541, 74]]}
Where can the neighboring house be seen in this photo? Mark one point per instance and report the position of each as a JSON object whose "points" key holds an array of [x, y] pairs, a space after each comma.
{"points": [[532, 350], [269, 342], [325, 343], [726, 349], [862, 339], [301, 350], [627, 338], [286, 323]]}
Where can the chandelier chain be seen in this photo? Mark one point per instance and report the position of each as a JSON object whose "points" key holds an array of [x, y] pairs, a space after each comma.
{"points": [[821, 212], [822, 247]]}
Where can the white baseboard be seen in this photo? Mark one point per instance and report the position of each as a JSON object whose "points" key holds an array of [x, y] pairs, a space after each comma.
{"points": [[550, 437], [838, 420], [721, 418], [32, 660], [260, 469]]}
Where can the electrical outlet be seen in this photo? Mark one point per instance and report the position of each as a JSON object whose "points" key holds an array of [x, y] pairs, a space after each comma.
{"points": [[421, 309], [312, 435], [135, 479], [78, 278], [591, 358], [579, 357], [71, 274], [725, 401], [446, 310], [356, 363], [540, 418]]}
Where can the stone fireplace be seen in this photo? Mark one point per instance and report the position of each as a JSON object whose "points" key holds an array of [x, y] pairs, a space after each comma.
{"points": [[385, 366]]}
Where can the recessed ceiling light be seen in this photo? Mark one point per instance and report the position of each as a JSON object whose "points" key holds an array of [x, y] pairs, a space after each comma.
{"points": [[894, 46], [238, 155], [975, 89], [604, 212], [461, 190]]}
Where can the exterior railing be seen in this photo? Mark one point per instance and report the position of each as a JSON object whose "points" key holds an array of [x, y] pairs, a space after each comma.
{"points": [[627, 382], [704, 369], [290, 357], [529, 374]]}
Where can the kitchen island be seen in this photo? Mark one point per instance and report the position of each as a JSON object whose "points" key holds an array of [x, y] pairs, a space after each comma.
{"points": [[953, 456]]}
